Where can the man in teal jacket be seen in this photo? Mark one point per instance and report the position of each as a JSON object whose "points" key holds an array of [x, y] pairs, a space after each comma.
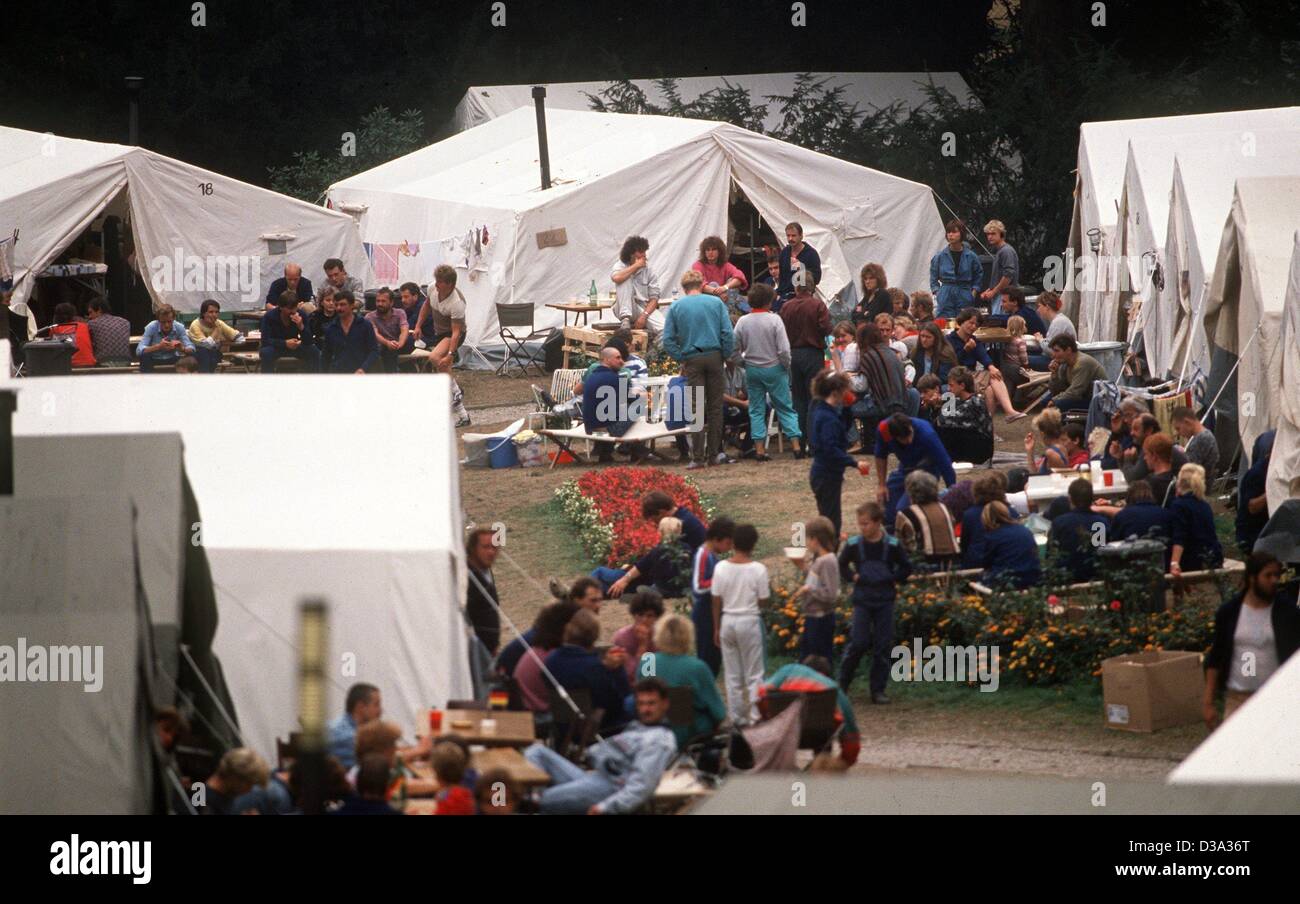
{"points": [[697, 332]]}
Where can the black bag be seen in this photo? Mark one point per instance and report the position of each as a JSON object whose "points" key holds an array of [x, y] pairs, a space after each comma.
{"points": [[553, 351]]}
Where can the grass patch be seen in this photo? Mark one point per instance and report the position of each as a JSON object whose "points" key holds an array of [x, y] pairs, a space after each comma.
{"points": [[544, 528]]}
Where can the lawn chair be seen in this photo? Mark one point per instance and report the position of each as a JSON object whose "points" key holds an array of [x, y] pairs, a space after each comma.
{"points": [[569, 727], [817, 726], [512, 317]]}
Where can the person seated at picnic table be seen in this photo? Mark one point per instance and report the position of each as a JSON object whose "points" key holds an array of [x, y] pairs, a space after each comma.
{"points": [[1257, 627], [1074, 442], [575, 665], [1120, 448], [921, 308], [931, 398], [811, 675], [450, 763], [797, 255], [363, 704], [1015, 354], [736, 426], [547, 635], [164, 341], [293, 282], [720, 275], [412, 301], [633, 363], [378, 736], [285, 335], [955, 272], [873, 295], [1252, 497], [885, 323], [925, 526], [665, 568], [673, 661], [607, 403], [1140, 518], [336, 277], [905, 332], [110, 335], [646, 608], [973, 355], [1199, 444], [584, 593], [1013, 305], [1143, 427], [991, 486], [1049, 426], [1073, 373], [322, 317], [1049, 311], [391, 330], [933, 353], [370, 797], [1194, 542], [636, 285], [626, 768], [1158, 453], [66, 323], [963, 422], [917, 446], [1010, 550], [211, 336], [240, 770], [1076, 535], [350, 344]]}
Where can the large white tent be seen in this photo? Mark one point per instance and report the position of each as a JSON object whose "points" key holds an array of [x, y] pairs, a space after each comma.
{"points": [[1259, 745], [615, 175], [198, 234], [869, 91], [293, 502], [1245, 305], [1285, 463], [1200, 199], [1102, 158]]}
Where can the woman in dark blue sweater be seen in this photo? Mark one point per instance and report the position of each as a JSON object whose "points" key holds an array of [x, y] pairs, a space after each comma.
{"points": [[829, 439], [1141, 518], [1195, 542], [1010, 551]]}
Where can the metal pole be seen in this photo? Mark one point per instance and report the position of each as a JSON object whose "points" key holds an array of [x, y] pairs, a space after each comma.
{"points": [[133, 83], [8, 405], [543, 152], [313, 620]]}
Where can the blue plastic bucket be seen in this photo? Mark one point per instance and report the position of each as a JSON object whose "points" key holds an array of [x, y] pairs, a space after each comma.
{"points": [[501, 452]]}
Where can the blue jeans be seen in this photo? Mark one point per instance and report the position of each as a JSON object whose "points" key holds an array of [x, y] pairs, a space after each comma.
{"points": [[150, 360], [208, 358], [705, 648], [607, 576], [761, 382], [873, 632], [894, 483], [1070, 404], [309, 355], [818, 636], [1039, 362], [573, 790]]}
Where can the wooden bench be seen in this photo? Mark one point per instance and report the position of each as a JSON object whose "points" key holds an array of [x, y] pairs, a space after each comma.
{"points": [[640, 432]]}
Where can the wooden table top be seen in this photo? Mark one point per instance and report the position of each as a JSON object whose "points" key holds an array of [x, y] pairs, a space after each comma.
{"points": [[511, 761], [581, 308], [513, 729]]}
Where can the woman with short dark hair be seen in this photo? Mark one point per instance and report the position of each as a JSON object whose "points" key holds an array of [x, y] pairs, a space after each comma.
{"points": [[67, 324]]}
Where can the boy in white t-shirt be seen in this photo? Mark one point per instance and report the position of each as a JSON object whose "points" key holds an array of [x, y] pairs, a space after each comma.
{"points": [[739, 585]]}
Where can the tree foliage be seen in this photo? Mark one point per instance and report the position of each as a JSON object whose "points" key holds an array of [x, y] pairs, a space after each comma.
{"points": [[381, 138]]}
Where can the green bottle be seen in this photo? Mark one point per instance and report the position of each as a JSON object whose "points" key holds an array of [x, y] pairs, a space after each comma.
{"points": [[591, 295]]}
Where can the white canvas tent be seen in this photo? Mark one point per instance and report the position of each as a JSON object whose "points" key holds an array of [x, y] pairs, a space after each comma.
{"points": [[287, 496], [198, 234], [1102, 158], [1244, 308], [866, 90], [1285, 463], [1259, 745], [615, 175], [1200, 199]]}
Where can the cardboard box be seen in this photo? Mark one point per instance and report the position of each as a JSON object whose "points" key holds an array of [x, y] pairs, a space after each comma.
{"points": [[1151, 691]]}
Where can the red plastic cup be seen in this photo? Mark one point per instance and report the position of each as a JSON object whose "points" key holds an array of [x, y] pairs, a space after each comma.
{"points": [[864, 468], [1108, 478], [435, 721]]}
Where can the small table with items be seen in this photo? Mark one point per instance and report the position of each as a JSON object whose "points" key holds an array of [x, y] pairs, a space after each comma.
{"points": [[580, 309]]}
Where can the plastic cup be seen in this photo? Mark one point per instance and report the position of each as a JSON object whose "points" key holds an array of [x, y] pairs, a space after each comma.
{"points": [[487, 727], [1108, 478], [435, 721]]}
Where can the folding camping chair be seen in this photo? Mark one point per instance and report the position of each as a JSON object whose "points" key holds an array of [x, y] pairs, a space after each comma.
{"points": [[511, 317], [817, 725]]}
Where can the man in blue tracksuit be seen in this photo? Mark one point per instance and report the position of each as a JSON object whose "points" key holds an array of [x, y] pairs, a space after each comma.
{"points": [[955, 273], [874, 563], [917, 445]]}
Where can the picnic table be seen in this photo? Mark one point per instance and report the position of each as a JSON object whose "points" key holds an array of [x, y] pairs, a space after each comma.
{"points": [[1046, 487], [580, 310], [507, 759], [513, 729]]}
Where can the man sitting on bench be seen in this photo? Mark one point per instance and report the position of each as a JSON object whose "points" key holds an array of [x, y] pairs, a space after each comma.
{"points": [[285, 335], [607, 403]]}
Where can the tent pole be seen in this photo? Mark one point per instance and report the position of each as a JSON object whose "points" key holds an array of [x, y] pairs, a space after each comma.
{"points": [[8, 405]]}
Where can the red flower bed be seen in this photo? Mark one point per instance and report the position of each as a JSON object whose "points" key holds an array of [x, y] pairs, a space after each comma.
{"points": [[616, 494]]}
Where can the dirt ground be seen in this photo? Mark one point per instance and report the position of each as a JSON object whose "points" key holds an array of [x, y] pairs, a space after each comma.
{"points": [[1014, 731]]}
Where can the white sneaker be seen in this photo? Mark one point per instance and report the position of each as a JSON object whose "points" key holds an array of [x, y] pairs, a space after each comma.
{"points": [[463, 419]]}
